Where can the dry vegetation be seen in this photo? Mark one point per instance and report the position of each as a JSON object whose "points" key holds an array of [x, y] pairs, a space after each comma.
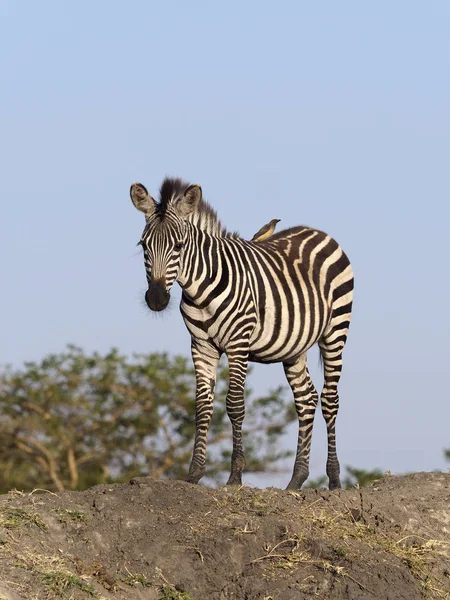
{"points": [[168, 540]]}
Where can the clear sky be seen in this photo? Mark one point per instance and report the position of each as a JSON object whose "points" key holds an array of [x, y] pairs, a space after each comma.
{"points": [[331, 114]]}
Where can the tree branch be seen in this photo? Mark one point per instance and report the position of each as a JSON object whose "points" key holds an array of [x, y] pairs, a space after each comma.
{"points": [[50, 463], [72, 464]]}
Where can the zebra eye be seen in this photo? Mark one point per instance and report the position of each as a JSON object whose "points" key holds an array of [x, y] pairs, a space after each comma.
{"points": [[178, 246]]}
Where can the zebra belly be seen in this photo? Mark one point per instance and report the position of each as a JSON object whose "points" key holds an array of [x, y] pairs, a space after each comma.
{"points": [[277, 338], [289, 353]]}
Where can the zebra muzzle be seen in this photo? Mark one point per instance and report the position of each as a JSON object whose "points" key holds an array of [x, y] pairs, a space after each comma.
{"points": [[157, 297]]}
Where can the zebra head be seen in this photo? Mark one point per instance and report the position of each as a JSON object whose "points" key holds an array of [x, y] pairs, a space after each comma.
{"points": [[164, 235]]}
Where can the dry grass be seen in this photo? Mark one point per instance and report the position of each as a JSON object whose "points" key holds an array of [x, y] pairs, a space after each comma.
{"points": [[66, 515], [51, 570], [331, 524], [240, 499], [15, 518]]}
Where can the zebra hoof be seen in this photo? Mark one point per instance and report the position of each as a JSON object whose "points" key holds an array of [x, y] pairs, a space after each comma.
{"points": [[234, 480], [297, 481], [195, 475], [335, 485]]}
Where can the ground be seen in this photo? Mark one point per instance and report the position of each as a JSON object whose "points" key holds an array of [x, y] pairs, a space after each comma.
{"points": [[170, 540]]}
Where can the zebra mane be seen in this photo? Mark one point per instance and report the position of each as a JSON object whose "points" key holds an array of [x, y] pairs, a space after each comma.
{"points": [[205, 217]]}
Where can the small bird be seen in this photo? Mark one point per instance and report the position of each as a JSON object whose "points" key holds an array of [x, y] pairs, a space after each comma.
{"points": [[265, 231]]}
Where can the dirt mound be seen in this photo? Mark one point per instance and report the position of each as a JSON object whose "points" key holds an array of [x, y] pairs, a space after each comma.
{"points": [[169, 540]]}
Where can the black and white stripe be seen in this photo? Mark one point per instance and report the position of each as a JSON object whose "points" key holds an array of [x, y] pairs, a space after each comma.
{"points": [[266, 301]]}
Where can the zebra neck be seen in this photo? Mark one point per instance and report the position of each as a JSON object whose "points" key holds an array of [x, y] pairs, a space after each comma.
{"points": [[205, 220], [201, 262]]}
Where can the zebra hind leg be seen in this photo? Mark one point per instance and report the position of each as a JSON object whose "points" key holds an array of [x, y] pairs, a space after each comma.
{"points": [[206, 359], [331, 346], [306, 398]]}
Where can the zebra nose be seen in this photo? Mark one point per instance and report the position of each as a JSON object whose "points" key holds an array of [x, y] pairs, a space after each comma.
{"points": [[156, 297]]}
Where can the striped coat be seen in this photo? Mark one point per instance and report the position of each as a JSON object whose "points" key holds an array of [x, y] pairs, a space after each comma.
{"points": [[266, 301]]}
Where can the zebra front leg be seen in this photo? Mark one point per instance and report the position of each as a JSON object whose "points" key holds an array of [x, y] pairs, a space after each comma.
{"points": [[238, 364], [206, 359], [306, 398]]}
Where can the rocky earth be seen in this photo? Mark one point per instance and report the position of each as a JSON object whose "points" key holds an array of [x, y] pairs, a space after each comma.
{"points": [[169, 540]]}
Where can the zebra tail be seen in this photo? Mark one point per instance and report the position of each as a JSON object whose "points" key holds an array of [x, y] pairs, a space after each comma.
{"points": [[320, 358]]}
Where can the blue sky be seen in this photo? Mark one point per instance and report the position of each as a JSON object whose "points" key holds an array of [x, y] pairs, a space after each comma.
{"points": [[334, 115]]}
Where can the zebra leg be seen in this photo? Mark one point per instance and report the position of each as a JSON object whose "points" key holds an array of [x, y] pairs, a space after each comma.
{"points": [[206, 359], [238, 364], [306, 398], [331, 346]]}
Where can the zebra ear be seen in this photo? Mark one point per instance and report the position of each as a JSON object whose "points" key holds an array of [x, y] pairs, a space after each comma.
{"points": [[142, 199], [189, 202]]}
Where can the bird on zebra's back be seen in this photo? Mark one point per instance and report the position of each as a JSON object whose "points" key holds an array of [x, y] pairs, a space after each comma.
{"points": [[265, 231], [253, 302]]}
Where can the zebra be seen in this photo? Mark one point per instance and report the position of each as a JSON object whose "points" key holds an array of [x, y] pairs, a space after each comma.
{"points": [[265, 302]]}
